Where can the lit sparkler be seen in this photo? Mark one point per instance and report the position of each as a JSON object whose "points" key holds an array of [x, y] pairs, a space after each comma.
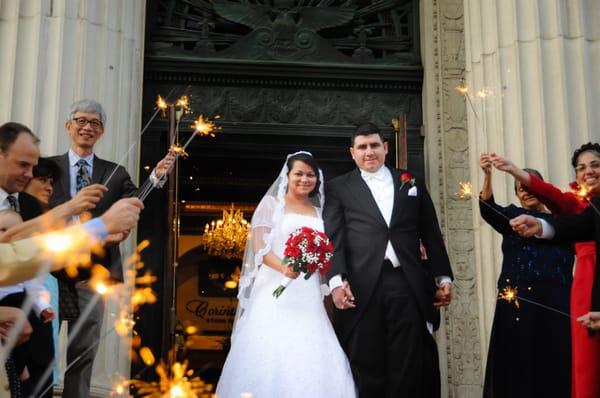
{"points": [[511, 294], [202, 127], [176, 383], [162, 105], [464, 90], [179, 151], [466, 192], [585, 194]]}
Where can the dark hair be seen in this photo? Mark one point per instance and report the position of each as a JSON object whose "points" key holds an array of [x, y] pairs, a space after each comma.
{"points": [[530, 171], [46, 168], [9, 133], [309, 160], [367, 128], [584, 148]]}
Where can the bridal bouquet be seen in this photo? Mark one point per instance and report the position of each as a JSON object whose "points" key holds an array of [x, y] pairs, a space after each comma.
{"points": [[307, 251]]}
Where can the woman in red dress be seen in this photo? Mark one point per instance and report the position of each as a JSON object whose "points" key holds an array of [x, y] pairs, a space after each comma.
{"points": [[585, 345]]}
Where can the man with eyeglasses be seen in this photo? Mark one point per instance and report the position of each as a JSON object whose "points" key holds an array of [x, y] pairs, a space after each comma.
{"points": [[80, 167]]}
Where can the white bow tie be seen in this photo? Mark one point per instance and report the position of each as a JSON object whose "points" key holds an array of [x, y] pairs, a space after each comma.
{"points": [[372, 176]]}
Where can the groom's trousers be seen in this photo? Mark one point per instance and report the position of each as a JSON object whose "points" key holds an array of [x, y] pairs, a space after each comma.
{"points": [[391, 352]]}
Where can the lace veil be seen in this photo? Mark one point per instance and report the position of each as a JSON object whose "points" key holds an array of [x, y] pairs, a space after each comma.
{"points": [[264, 227]]}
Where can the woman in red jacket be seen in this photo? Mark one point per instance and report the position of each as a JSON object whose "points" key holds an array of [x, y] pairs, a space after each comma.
{"points": [[585, 345]]}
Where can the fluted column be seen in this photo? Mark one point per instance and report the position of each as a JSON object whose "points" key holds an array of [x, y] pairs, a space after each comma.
{"points": [[54, 52], [533, 74]]}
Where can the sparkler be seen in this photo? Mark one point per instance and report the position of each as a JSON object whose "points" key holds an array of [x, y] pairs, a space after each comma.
{"points": [[202, 127], [72, 247], [176, 383], [466, 192], [99, 282], [464, 90], [511, 294], [584, 193], [161, 106]]}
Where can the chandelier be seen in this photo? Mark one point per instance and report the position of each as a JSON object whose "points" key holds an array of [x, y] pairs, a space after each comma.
{"points": [[226, 237]]}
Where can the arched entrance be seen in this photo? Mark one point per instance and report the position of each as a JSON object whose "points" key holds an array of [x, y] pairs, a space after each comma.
{"points": [[285, 76]]}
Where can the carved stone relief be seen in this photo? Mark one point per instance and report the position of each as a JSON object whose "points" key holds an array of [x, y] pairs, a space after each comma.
{"points": [[462, 334], [306, 107]]}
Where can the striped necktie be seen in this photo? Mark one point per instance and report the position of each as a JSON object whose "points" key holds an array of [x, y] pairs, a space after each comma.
{"points": [[83, 178], [14, 204]]}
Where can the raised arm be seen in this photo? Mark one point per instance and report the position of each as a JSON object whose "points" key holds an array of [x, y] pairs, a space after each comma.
{"points": [[558, 202], [488, 208]]}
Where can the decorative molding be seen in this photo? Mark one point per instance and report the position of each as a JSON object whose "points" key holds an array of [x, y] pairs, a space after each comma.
{"points": [[228, 72], [448, 153], [336, 31]]}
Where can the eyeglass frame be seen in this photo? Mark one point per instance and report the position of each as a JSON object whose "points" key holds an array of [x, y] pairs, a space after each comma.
{"points": [[94, 123]]}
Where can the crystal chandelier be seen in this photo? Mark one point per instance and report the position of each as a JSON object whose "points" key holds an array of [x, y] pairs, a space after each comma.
{"points": [[226, 237]]}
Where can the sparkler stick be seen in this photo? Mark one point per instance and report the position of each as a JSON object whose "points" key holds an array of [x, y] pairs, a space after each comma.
{"points": [[464, 90], [202, 126], [119, 164], [466, 191], [69, 366], [510, 294], [159, 107], [76, 328]]}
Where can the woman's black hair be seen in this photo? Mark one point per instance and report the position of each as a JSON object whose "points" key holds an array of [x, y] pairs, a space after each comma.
{"points": [[584, 148], [46, 168], [309, 160], [530, 171]]}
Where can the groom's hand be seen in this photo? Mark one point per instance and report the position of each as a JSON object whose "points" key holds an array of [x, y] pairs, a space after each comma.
{"points": [[443, 295], [343, 297]]}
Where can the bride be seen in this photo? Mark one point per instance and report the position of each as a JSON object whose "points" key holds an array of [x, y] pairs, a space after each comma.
{"points": [[286, 346]]}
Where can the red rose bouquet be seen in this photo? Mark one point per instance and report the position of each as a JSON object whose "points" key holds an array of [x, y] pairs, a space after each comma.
{"points": [[307, 251]]}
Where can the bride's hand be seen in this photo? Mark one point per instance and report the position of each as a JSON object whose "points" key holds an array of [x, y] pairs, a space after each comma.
{"points": [[289, 272]]}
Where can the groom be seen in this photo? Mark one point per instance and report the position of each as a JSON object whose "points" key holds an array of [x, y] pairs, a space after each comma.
{"points": [[385, 293]]}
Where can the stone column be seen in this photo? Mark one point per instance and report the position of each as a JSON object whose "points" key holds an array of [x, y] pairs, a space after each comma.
{"points": [[54, 52], [449, 157]]}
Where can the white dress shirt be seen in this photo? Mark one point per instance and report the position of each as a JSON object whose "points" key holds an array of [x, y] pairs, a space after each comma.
{"points": [[33, 287], [74, 168], [4, 203]]}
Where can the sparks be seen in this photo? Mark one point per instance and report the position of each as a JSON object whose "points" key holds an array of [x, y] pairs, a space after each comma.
{"points": [[178, 383], [162, 105], [510, 294], [466, 190], [183, 103], [204, 126], [484, 92], [464, 90], [179, 151]]}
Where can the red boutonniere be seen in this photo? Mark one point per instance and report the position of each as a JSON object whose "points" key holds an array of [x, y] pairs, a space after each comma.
{"points": [[581, 191], [406, 178]]}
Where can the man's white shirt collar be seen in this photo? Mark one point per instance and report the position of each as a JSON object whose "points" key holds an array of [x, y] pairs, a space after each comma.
{"points": [[74, 158], [379, 175]]}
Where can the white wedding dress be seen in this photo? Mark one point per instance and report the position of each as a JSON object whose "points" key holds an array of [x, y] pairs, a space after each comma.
{"points": [[285, 347]]}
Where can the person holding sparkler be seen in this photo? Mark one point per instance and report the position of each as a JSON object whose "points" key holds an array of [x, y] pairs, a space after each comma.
{"points": [[79, 168], [541, 271], [585, 346]]}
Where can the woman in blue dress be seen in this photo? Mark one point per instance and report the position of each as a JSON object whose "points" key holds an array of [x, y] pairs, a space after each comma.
{"points": [[529, 353]]}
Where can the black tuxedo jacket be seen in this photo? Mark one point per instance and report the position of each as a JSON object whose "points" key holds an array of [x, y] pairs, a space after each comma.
{"points": [[29, 206], [360, 234], [582, 227], [120, 186]]}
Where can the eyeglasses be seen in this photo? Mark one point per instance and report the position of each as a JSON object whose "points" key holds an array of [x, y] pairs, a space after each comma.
{"points": [[82, 122]]}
